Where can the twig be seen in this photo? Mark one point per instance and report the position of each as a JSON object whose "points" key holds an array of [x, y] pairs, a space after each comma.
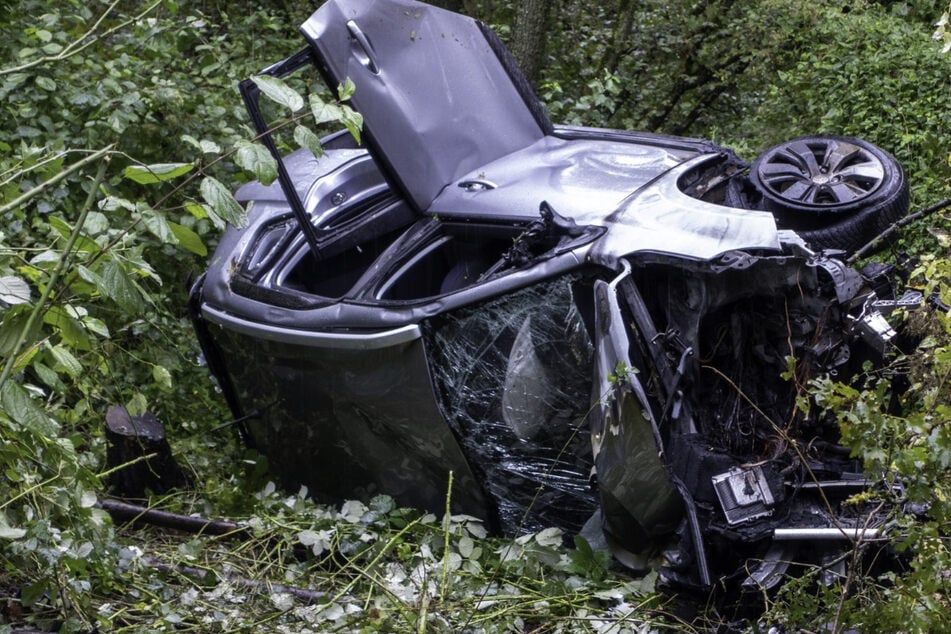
{"points": [[39, 189], [386, 548], [878, 240], [444, 586], [123, 511]]}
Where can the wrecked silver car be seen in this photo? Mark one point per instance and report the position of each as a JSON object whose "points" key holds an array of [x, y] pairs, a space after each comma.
{"points": [[590, 329]]}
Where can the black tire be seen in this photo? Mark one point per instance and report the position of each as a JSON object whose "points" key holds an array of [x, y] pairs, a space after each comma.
{"points": [[835, 192]]}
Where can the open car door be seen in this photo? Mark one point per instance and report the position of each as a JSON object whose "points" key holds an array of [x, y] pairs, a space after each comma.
{"points": [[436, 109]]}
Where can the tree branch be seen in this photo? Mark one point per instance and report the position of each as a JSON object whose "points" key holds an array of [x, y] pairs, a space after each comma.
{"points": [[880, 239], [124, 512], [77, 46], [64, 259], [42, 187]]}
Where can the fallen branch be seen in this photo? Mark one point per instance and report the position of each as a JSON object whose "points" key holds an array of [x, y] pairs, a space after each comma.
{"points": [[125, 512], [880, 239], [264, 587]]}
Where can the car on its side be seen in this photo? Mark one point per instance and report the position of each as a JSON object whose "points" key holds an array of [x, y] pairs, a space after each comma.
{"points": [[605, 331]]}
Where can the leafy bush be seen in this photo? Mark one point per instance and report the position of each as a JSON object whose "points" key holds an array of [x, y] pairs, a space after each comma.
{"points": [[87, 319]]}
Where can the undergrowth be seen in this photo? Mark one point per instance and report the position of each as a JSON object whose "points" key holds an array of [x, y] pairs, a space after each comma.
{"points": [[296, 566]]}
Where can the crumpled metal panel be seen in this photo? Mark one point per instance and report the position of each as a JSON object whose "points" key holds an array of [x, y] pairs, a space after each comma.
{"points": [[513, 377], [583, 179], [661, 219], [638, 501], [436, 101]]}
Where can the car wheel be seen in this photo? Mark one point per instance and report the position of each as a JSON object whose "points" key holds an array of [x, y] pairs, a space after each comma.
{"points": [[836, 192]]}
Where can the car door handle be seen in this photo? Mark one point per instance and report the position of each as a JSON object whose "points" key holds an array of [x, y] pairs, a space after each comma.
{"points": [[477, 185], [364, 51]]}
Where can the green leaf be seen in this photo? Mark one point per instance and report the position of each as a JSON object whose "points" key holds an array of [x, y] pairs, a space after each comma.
{"points": [[25, 358], [353, 121], [82, 244], [586, 561], [14, 321], [279, 92], [221, 202], [156, 173], [97, 223], [48, 376], [162, 376], [46, 83], [87, 499], [32, 593], [65, 360], [204, 146], [96, 326], [45, 260], [305, 138], [156, 224], [324, 112], [137, 405], [89, 275], [69, 328], [14, 290], [255, 158], [10, 533], [551, 537], [197, 210], [20, 406], [114, 203], [346, 89], [188, 239], [116, 284]]}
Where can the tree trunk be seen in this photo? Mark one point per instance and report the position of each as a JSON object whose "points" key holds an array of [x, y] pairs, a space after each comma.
{"points": [[528, 37], [139, 455], [622, 31]]}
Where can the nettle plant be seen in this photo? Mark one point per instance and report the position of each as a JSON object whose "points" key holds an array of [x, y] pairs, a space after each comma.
{"points": [[83, 311]]}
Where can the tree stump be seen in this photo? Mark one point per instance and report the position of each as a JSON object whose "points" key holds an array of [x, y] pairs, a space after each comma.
{"points": [[140, 454]]}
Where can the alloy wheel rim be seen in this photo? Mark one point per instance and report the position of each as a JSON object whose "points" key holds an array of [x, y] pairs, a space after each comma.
{"points": [[821, 173]]}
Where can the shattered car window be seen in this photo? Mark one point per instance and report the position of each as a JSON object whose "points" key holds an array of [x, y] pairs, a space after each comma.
{"points": [[514, 379]]}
